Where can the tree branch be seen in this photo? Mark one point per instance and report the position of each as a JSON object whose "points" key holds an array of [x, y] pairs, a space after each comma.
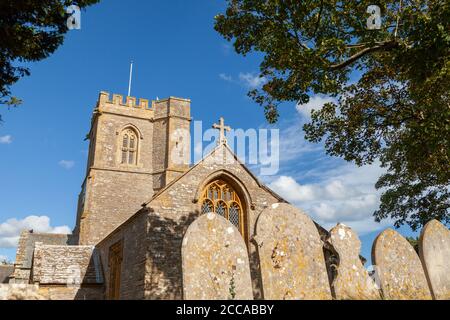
{"points": [[386, 45], [319, 17]]}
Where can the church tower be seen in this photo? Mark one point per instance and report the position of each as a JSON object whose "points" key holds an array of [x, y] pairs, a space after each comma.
{"points": [[135, 150]]}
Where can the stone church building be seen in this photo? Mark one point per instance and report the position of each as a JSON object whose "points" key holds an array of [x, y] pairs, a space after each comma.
{"points": [[151, 226], [136, 203]]}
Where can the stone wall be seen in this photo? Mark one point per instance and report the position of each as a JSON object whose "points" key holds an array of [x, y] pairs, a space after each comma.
{"points": [[20, 292], [153, 237], [5, 272], [36, 292], [174, 208], [135, 245], [115, 197], [178, 205], [114, 191], [171, 116]]}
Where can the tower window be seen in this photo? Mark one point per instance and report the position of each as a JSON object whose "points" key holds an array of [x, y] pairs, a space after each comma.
{"points": [[129, 147]]}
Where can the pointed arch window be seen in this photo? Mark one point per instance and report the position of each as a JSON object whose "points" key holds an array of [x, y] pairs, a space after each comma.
{"points": [[220, 198], [129, 149]]}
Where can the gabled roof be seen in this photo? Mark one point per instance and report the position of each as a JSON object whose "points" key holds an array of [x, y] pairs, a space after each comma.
{"points": [[27, 242], [323, 232], [260, 184]]}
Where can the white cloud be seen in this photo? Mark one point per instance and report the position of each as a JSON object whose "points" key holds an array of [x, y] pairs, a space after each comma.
{"points": [[291, 190], [6, 139], [345, 193], [226, 77], [3, 258], [315, 103], [245, 79], [329, 189], [10, 230], [252, 81], [67, 164]]}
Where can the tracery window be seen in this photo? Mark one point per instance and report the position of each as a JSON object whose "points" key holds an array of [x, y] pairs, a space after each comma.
{"points": [[220, 198], [129, 147]]}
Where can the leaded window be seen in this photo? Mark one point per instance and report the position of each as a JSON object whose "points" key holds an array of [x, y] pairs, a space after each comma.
{"points": [[222, 199], [129, 147]]}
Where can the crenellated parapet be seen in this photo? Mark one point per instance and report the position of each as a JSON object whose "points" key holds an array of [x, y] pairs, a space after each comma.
{"points": [[129, 102]]}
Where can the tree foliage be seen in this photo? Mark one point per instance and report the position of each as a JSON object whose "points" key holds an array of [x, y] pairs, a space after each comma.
{"points": [[30, 30], [397, 111]]}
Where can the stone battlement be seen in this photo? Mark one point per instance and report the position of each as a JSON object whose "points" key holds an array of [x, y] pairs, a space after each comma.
{"points": [[130, 102]]}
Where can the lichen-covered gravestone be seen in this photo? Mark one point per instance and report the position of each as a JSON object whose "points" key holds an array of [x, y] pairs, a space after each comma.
{"points": [[434, 247], [215, 261], [352, 281], [400, 270], [291, 255]]}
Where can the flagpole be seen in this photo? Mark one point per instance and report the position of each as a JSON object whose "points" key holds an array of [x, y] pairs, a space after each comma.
{"points": [[131, 76]]}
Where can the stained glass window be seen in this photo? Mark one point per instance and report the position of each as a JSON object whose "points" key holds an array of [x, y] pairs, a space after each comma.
{"points": [[222, 199]]}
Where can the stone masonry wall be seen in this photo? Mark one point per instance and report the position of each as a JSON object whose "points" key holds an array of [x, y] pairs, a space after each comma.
{"points": [[116, 196], [114, 191], [152, 238], [5, 272], [175, 208], [134, 237], [36, 292]]}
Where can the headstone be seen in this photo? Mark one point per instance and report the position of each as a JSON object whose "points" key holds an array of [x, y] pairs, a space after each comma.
{"points": [[352, 281], [291, 255], [215, 261], [400, 270], [434, 247]]}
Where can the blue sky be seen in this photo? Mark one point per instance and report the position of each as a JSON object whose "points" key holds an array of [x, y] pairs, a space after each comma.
{"points": [[176, 53]]}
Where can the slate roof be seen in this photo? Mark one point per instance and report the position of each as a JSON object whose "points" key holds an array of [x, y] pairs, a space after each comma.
{"points": [[56, 265]]}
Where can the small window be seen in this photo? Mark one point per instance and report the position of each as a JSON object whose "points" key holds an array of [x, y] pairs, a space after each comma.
{"points": [[129, 148]]}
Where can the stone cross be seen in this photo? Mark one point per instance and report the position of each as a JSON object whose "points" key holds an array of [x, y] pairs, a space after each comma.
{"points": [[221, 126]]}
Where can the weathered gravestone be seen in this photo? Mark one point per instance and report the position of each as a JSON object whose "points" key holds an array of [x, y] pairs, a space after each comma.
{"points": [[215, 261], [291, 255], [400, 270], [352, 281], [434, 248]]}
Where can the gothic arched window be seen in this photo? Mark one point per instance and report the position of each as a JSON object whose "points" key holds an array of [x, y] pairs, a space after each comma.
{"points": [[220, 198], [129, 148]]}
